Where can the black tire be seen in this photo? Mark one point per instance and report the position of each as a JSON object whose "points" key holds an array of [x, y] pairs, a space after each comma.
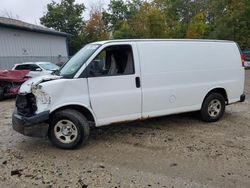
{"points": [[79, 122], [212, 114], [1, 94]]}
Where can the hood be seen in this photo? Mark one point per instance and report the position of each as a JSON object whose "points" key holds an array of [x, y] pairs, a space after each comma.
{"points": [[33, 82]]}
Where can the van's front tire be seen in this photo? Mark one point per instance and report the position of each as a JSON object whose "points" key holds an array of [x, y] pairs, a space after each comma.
{"points": [[213, 107], [68, 129]]}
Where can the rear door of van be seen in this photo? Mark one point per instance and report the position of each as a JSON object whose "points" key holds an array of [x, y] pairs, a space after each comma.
{"points": [[114, 85]]}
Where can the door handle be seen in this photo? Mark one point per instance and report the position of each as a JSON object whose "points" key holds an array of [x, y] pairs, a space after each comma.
{"points": [[137, 82]]}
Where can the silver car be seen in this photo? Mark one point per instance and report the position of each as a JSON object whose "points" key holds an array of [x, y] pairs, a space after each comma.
{"points": [[36, 68]]}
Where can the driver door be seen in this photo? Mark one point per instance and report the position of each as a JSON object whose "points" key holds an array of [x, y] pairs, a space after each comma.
{"points": [[114, 89]]}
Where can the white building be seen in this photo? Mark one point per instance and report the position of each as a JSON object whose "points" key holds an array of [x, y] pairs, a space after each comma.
{"points": [[22, 42]]}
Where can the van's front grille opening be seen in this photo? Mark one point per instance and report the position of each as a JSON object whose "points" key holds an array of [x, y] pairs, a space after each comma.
{"points": [[26, 104]]}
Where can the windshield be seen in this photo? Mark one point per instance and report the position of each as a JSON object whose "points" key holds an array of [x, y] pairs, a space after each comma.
{"points": [[49, 66], [75, 63]]}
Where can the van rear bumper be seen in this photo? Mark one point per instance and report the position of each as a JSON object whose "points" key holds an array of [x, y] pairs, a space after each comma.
{"points": [[33, 126], [242, 98]]}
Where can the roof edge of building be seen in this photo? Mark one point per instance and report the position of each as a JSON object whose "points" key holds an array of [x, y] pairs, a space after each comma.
{"points": [[31, 27]]}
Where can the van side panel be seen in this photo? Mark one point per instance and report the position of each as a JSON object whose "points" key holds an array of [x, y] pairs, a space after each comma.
{"points": [[177, 75]]}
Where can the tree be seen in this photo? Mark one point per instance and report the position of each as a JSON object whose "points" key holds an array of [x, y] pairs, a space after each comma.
{"points": [[124, 31], [66, 16], [197, 27], [116, 13], [149, 22], [135, 19], [233, 23], [224, 19], [95, 28]]}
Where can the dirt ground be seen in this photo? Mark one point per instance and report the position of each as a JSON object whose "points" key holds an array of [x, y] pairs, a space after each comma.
{"points": [[172, 151]]}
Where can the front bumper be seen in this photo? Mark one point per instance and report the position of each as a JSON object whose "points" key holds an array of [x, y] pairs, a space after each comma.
{"points": [[33, 126]]}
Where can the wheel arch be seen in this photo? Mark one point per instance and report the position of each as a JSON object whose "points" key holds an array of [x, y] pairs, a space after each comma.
{"points": [[219, 90], [82, 109]]}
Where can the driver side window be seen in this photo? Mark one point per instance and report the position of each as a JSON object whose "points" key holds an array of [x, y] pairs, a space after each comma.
{"points": [[113, 60]]}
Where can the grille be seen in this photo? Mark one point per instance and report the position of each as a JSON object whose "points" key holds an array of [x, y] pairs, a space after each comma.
{"points": [[26, 104]]}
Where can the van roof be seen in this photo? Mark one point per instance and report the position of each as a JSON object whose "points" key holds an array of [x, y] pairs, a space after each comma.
{"points": [[149, 40]]}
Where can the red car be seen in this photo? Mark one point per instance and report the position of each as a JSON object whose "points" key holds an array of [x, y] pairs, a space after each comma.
{"points": [[10, 82]]}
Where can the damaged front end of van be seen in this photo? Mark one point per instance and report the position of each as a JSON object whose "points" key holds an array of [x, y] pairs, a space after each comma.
{"points": [[39, 100], [31, 113]]}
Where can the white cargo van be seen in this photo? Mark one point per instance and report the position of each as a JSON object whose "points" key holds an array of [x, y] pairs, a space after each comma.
{"points": [[123, 80]]}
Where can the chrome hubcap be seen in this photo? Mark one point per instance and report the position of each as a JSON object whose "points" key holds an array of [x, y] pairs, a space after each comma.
{"points": [[65, 131], [214, 108]]}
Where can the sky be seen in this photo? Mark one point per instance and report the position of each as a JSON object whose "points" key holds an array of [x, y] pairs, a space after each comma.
{"points": [[31, 10]]}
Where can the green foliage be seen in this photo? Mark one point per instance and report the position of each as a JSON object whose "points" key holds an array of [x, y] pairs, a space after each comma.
{"points": [[124, 31], [214, 19], [197, 27], [66, 16], [234, 23], [117, 12], [95, 27], [149, 22]]}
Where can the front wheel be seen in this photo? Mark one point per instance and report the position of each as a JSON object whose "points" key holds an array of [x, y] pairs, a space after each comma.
{"points": [[68, 129], [213, 107]]}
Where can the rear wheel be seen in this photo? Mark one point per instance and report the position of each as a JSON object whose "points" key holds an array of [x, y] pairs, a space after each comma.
{"points": [[68, 129], [213, 107]]}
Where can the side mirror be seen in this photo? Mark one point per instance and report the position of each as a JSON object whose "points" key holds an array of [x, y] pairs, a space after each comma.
{"points": [[95, 68]]}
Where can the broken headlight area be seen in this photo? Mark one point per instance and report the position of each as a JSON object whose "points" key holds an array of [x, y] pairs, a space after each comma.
{"points": [[26, 104], [41, 96]]}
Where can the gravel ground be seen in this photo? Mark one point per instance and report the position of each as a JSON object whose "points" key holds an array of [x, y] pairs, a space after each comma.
{"points": [[171, 151]]}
